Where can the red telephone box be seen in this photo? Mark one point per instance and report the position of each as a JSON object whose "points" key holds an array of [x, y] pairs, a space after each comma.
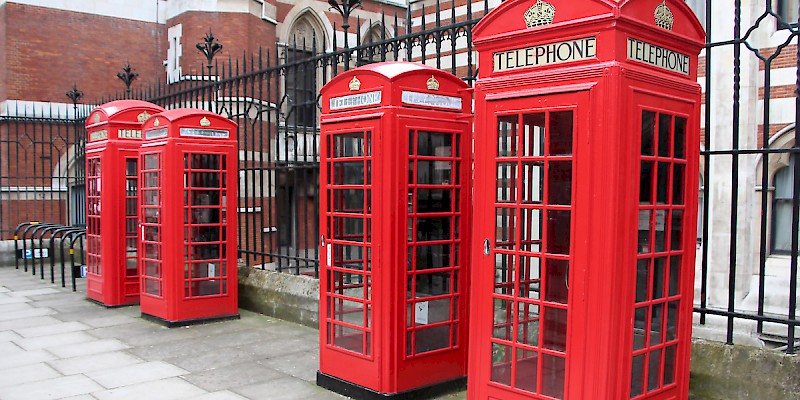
{"points": [[114, 133], [394, 219], [586, 174], [188, 201]]}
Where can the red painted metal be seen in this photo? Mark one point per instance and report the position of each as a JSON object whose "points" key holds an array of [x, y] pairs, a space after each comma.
{"points": [[114, 133], [586, 179], [395, 195], [188, 202]]}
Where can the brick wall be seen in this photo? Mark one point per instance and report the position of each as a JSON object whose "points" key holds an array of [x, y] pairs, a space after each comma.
{"points": [[237, 32], [48, 50], [3, 58]]}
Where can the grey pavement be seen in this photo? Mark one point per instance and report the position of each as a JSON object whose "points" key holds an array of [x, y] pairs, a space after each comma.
{"points": [[54, 344]]}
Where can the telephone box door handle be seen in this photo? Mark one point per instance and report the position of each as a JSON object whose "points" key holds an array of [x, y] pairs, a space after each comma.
{"points": [[486, 247]]}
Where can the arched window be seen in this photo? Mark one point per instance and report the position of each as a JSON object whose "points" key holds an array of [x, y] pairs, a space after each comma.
{"points": [[373, 39], [306, 39], [782, 208]]}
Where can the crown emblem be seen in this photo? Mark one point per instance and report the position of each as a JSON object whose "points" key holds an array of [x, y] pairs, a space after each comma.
{"points": [[205, 122], [143, 116], [541, 13], [156, 123], [664, 17], [355, 84], [432, 83], [96, 118]]}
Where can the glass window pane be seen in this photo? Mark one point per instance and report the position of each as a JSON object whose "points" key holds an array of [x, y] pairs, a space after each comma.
{"points": [[430, 339], [434, 144], [674, 275], [502, 319], [656, 323], [553, 376], [648, 130], [639, 327], [676, 226], [664, 135], [672, 320], [527, 365], [662, 182], [678, 183], [554, 325], [348, 338], [637, 375], [504, 272], [530, 277], [669, 364], [642, 270], [557, 281], [532, 182], [348, 145], [507, 136], [659, 270], [434, 200], [528, 324], [531, 237], [559, 182], [501, 364], [434, 284], [646, 183], [505, 236], [433, 256], [654, 370], [558, 231], [561, 133], [506, 182], [533, 135], [680, 138]]}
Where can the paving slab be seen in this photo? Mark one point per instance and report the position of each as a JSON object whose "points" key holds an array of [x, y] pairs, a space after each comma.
{"points": [[57, 340], [26, 374], [22, 323], [94, 362], [110, 320], [165, 389], [93, 347], [54, 388], [233, 376], [302, 365], [15, 306], [51, 329], [24, 358], [112, 378], [221, 395], [35, 292], [7, 336], [287, 389], [25, 314]]}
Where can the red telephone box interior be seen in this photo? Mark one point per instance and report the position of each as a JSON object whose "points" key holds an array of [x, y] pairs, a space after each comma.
{"points": [[395, 195], [586, 171], [114, 133], [188, 206]]}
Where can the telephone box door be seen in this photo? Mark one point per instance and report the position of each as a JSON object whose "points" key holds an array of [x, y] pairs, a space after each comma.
{"points": [[525, 229], [664, 258], [350, 268], [434, 280]]}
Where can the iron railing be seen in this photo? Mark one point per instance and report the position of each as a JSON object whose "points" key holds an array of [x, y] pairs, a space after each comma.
{"points": [[744, 286]]}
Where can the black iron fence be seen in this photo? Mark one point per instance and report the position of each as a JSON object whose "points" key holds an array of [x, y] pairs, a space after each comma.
{"points": [[747, 269]]}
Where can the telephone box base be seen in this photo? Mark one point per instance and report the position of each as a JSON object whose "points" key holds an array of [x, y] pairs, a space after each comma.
{"points": [[187, 322], [100, 303], [357, 392]]}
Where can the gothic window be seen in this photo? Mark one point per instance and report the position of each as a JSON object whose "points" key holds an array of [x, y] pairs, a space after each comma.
{"points": [[301, 74]]}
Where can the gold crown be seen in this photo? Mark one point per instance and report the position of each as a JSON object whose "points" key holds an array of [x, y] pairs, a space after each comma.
{"points": [[205, 122], [432, 83], [664, 17], [355, 84], [156, 123], [541, 13], [143, 116]]}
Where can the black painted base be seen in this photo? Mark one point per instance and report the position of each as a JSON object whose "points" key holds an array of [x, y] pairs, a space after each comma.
{"points": [[357, 392], [108, 306], [187, 322]]}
